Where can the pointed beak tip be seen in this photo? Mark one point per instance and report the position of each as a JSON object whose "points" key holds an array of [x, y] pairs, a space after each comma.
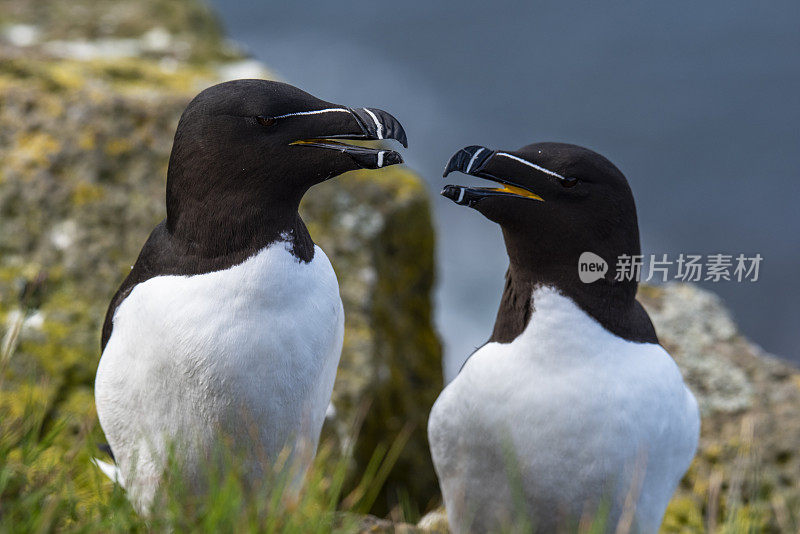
{"points": [[452, 165], [450, 191], [393, 158], [466, 159]]}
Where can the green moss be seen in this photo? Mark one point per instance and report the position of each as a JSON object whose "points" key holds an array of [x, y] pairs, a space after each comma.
{"points": [[683, 516], [376, 228], [405, 340]]}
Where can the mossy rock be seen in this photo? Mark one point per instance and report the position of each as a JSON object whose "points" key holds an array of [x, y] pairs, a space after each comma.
{"points": [[377, 229], [744, 477]]}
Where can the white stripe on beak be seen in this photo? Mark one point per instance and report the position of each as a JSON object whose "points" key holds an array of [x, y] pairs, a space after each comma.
{"points": [[529, 164], [378, 124], [472, 159], [460, 196], [380, 159], [315, 112]]}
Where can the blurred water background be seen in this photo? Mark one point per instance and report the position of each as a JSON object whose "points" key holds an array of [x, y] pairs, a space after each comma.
{"points": [[697, 103]]}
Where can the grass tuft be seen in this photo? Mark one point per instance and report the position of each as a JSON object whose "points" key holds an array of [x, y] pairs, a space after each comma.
{"points": [[47, 488]]}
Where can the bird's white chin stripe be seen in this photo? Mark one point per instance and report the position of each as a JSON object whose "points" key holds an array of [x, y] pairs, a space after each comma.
{"points": [[528, 163], [315, 112], [378, 124]]}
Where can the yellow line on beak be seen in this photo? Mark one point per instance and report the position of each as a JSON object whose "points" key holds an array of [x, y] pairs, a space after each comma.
{"points": [[516, 191]]}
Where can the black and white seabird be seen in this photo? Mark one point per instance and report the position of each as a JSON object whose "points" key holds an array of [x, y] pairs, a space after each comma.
{"points": [[229, 326], [572, 410]]}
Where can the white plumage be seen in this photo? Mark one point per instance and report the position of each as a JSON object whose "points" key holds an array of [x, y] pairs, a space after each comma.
{"points": [[248, 353], [565, 413]]}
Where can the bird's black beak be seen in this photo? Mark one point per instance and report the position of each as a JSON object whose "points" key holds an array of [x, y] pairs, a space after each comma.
{"points": [[378, 124], [360, 124], [482, 162]]}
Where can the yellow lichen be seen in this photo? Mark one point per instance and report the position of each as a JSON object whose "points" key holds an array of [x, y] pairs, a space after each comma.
{"points": [[85, 192], [86, 140], [795, 378], [67, 76], [683, 515], [51, 106], [33, 149], [713, 452], [118, 146]]}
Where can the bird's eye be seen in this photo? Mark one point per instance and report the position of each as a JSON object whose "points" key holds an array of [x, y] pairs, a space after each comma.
{"points": [[265, 121], [569, 181]]}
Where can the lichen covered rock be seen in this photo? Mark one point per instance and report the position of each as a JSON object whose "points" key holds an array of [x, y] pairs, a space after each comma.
{"points": [[746, 469], [376, 227]]}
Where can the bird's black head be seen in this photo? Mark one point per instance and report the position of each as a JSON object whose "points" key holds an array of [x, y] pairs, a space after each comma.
{"points": [[246, 151], [554, 203]]}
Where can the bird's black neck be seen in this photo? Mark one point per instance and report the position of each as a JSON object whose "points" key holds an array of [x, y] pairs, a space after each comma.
{"points": [[611, 303], [240, 232]]}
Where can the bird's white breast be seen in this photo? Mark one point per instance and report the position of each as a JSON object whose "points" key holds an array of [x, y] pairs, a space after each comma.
{"points": [[248, 353], [564, 416]]}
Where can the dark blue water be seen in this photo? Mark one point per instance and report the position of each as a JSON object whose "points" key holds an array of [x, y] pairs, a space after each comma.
{"points": [[698, 103]]}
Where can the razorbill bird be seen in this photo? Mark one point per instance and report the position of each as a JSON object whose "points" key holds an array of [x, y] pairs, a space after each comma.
{"points": [[572, 410], [228, 330]]}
